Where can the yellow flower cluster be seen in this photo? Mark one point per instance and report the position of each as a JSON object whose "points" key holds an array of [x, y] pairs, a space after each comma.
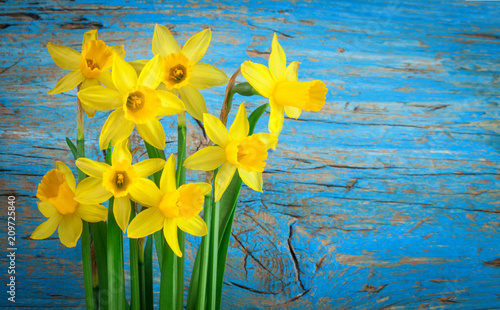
{"points": [[139, 94]]}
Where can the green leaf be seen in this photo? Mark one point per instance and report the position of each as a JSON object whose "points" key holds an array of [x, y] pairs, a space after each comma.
{"points": [[194, 285], [72, 148], [255, 116]]}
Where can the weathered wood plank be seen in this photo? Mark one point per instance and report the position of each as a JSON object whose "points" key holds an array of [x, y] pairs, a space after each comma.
{"points": [[388, 199]]}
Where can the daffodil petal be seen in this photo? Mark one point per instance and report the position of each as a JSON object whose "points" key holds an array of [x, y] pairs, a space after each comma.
{"points": [[151, 73], [89, 83], [147, 167], [92, 168], [118, 49], [206, 159], [68, 82], [259, 77], [168, 182], [145, 223], [292, 71], [116, 129], [47, 228], [145, 192], [138, 65], [46, 208], [121, 152], [70, 229], [269, 139], [252, 179], [170, 233], [89, 36], [239, 128], [152, 132], [171, 104], [70, 178], [292, 112], [197, 45], [205, 187], [121, 211], [106, 80], [195, 226], [89, 111], [277, 117], [123, 75], [92, 212], [277, 61], [90, 190], [164, 42], [215, 130], [205, 75], [223, 178], [100, 98], [65, 57], [194, 101]]}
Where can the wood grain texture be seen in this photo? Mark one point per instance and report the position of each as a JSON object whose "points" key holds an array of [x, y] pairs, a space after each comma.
{"points": [[387, 199]]}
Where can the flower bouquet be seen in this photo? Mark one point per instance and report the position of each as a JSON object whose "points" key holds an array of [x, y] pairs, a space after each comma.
{"points": [[150, 201]]}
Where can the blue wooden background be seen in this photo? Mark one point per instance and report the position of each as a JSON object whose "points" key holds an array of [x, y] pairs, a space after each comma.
{"points": [[387, 199]]}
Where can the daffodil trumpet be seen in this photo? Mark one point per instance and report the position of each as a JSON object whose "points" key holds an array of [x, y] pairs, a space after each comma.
{"points": [[279, 83]]}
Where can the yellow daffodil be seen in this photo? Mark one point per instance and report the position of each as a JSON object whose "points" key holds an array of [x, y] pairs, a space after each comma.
{"points": [[280, 85], [182, 73], [56, 193], [90, 67], [122, 180], [172, 208], [136, 102], [234, 150]]}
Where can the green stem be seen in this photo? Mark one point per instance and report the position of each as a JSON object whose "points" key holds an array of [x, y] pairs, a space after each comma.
{"points": [[158, 236], [99, 232], [168, 281], [148, 273], [205, 255], [87, 267], [214, 255], [85, 242], [181, 179], [135, 300], [116, 280]]}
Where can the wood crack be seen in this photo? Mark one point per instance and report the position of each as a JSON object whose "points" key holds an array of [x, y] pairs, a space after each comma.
{"points": [[294, 259]]}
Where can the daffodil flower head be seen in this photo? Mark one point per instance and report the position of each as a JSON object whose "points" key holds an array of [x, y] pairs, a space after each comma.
{"points": [[173, 208], [235, 150], [90, 67], [121, 180], [56, 192], [279, 83], [136, 102], [181, 70]]}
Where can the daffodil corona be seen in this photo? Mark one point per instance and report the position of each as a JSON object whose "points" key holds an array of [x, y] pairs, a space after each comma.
{"points": [[235, 150], [172, 208], [121, 180], [280, 85], [182, 73], [137, 102], [91, 67], [56, 192]]}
